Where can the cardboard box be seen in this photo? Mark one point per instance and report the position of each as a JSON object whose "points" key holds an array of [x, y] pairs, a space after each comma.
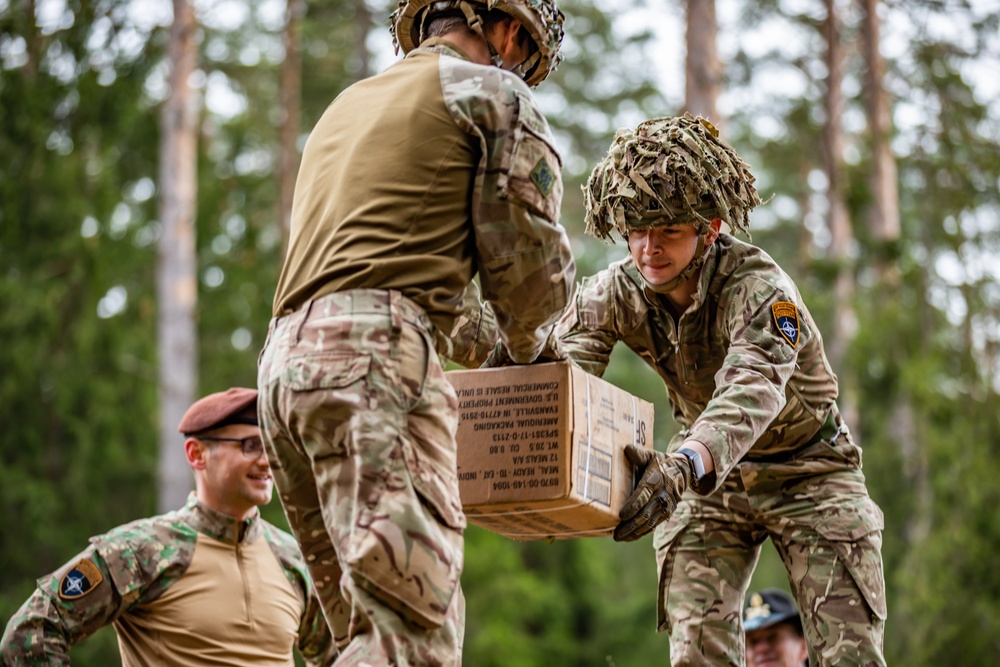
{"points": [[541, 449]]}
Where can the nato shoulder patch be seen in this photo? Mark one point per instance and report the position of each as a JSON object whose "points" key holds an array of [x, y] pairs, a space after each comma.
{"points": [[786, 318], [81, 579], [543, 177]]}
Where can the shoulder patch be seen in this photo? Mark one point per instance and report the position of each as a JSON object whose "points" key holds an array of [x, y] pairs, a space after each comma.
{"points": [[786, 318], [543, 177], [81, 579]]}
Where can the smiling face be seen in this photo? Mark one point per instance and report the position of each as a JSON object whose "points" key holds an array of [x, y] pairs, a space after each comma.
{"points": [[226, 480], [661, 253], [777, 646]]}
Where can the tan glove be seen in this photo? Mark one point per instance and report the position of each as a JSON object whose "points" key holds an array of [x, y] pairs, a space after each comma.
{"points": [[664, 478]]}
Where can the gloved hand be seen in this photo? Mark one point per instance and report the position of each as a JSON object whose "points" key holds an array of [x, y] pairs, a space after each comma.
{"points": [[551, 351], [498, 357], [664, 478]]}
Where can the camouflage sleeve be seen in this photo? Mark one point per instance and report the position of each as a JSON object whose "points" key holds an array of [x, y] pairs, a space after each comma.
{"points": [[750, 385], [475, 331], [524, 258], [588, 331], [68, 606], [315, 641]]}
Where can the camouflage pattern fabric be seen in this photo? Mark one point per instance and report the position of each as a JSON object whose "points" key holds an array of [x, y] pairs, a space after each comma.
{"points": [[526, 266], [816, 510], [359, 424], [132, 566], [474, 332], [735, 383], [747, 376]]}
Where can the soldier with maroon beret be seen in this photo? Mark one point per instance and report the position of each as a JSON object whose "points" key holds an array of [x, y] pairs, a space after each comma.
{"points": [[209, 584]]}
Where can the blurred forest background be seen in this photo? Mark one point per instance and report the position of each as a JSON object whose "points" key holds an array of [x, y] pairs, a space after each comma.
{"points": [[147, 154]]}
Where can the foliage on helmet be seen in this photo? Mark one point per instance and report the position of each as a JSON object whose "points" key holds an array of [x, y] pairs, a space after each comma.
{"points": [[672, 170], [541, 18]]}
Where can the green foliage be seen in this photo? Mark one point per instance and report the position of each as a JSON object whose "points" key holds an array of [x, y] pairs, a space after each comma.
{"points": [[79, 100]]}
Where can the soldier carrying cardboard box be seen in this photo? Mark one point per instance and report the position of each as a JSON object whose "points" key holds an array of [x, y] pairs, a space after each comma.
{"points": [[763, 448]]}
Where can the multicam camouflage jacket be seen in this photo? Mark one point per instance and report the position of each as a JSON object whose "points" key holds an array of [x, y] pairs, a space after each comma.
{"points": [[123, 573], [744, 366]]}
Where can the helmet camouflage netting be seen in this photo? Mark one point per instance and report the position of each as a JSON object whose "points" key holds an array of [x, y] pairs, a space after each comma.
{"points": [[671, 170]]}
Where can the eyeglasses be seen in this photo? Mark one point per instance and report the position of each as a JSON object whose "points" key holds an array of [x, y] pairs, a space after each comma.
{"points": [[252, 446]]}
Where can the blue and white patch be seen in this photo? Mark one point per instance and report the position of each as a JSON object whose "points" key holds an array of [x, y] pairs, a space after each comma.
{"points": [[81, 579], [786, 318]]}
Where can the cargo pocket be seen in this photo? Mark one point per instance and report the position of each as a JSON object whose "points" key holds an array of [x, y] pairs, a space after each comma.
{"points": [[855, 534], [404, 556], [332, 369], [433, 467], [531, 173], [665, 541]]}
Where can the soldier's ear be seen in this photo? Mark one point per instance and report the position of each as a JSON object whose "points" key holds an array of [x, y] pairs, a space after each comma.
{"points": [[196, 452], [713, 231]]}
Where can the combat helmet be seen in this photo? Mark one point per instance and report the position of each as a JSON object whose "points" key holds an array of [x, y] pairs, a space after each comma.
{"points": [[541, 18], [669, 171]]}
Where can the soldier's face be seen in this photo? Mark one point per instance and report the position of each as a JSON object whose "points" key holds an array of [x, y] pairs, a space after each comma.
{"points": [[661, 253], [777, 646], [234, 483]]}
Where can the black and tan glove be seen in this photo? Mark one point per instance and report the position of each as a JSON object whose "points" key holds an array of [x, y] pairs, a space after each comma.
{"points": [[663, 480]]}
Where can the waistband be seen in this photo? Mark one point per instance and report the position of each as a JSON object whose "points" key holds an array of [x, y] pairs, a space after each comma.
{"points": [[831, 427], [390, 303]]}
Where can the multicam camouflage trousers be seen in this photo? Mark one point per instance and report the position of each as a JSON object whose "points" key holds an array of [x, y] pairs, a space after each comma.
{"points": [[359, 424], [827, 530]]}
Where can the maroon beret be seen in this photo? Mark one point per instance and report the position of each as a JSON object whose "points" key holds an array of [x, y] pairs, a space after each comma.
{"points": [[232, 406]]}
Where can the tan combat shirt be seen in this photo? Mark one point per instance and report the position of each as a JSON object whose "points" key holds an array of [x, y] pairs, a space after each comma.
{"points": [[417, 178], [189, 588]]}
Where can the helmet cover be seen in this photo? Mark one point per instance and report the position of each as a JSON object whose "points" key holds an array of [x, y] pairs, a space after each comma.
{"points": [[669, 171], [542, 19]]}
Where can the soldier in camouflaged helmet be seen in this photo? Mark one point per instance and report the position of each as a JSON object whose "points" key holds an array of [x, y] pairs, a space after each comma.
{"points": [[209, 584], [763, 451], [413, 180]]}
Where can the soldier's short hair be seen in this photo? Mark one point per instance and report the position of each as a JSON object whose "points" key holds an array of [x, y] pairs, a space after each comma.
{"points": [[446, 22]]}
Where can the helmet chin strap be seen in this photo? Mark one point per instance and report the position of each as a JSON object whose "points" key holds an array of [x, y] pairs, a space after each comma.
{"points": [[700, 255], [476, 25]]}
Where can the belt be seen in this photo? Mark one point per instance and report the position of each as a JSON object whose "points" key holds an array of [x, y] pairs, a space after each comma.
{"points": [[828, 430]]}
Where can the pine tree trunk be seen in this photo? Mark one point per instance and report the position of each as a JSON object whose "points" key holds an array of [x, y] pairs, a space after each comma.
{"points": [[702, 68], [291, 104], [838, 219], [176, 279], [883, 215]]}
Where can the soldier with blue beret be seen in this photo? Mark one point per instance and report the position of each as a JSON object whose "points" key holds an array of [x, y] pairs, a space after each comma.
{"points": [[773, 630], [412, 182], [209, 584]]}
